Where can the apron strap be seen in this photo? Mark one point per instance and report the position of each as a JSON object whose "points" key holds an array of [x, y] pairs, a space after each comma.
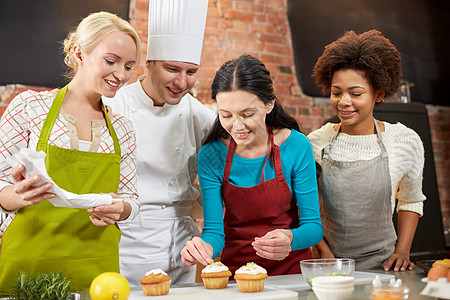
{"points": [[380, 140], [274, 153], [53, 113], [276, 157], [326, 149], [229, 160], [111, 131], [51, 116]]}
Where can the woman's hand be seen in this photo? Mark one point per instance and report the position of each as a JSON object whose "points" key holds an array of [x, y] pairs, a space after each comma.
{"points": [[23, 193], [274, 245], [407, 224], [105, 215], [197, 251], [399, 262]]}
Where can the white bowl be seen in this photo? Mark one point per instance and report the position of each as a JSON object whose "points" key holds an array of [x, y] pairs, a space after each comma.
{"points": [[326, 267], [332, 282], [333, 294]]}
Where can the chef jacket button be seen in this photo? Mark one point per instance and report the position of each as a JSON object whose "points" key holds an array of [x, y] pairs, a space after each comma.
{"points": [[177, 148], [180, 114], [163, 206], [133, 110]]}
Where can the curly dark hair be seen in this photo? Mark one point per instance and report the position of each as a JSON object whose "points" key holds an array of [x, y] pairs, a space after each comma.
{"points": [[369, 52]]}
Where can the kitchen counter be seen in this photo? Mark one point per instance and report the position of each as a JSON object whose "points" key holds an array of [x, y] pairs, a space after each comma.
{"points": [[285, 287]]}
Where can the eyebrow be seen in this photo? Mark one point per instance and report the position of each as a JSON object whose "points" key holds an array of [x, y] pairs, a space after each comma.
{"points": [[169, 65], [350, 88], [117, 56], [244, 110]]}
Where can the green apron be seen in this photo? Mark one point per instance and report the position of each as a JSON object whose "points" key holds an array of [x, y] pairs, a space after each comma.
{"points": [[43, 238]]}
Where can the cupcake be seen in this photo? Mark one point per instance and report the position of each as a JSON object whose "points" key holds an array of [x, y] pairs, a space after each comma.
{"points": [[215, 276], [155, 283], [250, 278]]}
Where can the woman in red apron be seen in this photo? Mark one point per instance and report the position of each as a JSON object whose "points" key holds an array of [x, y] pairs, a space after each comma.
{"points": [[366, 164], [85, 153], [259, 168]]}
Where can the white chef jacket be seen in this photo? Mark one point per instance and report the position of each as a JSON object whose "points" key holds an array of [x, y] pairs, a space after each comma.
{"points": [[168, 139]]}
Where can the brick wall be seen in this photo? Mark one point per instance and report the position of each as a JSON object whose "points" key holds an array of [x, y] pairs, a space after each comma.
{"points": [[260, 28]]}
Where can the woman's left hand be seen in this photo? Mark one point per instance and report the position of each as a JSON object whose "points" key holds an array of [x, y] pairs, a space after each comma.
{"points": [[105, 215], [274, 245], [399, 262]]}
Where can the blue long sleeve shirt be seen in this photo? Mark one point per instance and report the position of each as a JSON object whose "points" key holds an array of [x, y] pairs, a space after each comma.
{"points": [[299, 171]]}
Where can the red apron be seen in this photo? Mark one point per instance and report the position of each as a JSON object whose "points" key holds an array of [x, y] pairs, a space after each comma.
{"points": [[252, 212]]}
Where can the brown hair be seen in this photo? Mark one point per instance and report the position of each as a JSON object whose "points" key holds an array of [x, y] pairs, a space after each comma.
{"points": [[369, 52]]}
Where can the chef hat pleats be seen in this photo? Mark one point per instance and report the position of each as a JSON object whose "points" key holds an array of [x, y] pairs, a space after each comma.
{"points": [[176, 29]]}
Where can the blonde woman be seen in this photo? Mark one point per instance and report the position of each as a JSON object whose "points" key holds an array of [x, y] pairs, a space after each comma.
{"points": [[88, 150]]}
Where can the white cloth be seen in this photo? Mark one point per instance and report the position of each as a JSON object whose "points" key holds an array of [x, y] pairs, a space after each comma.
{"points": [[176, 29], [34, 163], [168, 139], [406, 158], [21, 125]]}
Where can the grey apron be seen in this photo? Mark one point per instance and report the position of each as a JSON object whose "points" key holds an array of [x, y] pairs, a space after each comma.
{"points": [[356, 207]]}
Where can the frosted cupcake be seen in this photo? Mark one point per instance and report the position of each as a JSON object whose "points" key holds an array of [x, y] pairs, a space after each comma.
{"points": [[250, 278], [156, 283], [215, 276]]}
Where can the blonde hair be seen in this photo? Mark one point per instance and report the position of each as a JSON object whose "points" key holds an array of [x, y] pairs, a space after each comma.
{"points": [[89, 33]]}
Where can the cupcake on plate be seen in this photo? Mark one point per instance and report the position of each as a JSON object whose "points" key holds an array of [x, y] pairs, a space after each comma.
{"points": [[250, 278], [156, 283], [215, 276]]}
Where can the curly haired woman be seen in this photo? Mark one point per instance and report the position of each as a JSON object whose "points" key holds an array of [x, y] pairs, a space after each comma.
{"points": [[366, 164]]}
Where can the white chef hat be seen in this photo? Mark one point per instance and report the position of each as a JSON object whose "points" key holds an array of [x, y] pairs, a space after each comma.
{"points": [[176, 29]]}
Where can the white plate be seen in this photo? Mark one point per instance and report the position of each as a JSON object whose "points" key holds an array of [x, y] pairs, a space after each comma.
{"points": [[231, 292], [438, 289]]}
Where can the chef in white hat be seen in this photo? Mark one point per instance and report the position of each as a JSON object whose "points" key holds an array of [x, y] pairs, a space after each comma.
{"points": [[170, 126]]}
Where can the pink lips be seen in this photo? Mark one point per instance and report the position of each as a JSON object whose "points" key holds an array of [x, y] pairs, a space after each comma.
{"points": [[346, 114], [110, 84], [241, 136]]}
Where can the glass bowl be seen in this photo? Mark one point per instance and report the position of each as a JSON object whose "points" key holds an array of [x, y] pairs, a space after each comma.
{"points": [[326, 267]]}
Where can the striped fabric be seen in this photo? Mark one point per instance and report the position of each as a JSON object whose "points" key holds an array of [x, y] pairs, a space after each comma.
{"points": [[21, 125]]}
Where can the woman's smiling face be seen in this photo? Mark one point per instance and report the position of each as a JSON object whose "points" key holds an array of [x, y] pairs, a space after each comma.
{"points": [[109, 65], [243, 115], [353, 99]]}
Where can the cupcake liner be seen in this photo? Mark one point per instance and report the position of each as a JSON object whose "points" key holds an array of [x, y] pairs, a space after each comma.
{"points": [[156, 289], [215, 282], [250, 286]]}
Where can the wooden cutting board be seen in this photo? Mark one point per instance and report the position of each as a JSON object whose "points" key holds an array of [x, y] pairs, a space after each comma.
{"points": [[231, 292]]}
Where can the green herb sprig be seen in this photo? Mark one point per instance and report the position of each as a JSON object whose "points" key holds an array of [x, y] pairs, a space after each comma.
{"points": [[42, 286]]}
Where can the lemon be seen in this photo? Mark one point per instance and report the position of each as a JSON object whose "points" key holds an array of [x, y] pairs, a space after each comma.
{"points": [[109, 285]]}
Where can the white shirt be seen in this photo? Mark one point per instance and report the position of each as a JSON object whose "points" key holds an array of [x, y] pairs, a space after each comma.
{"points": [[168, 139]]}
